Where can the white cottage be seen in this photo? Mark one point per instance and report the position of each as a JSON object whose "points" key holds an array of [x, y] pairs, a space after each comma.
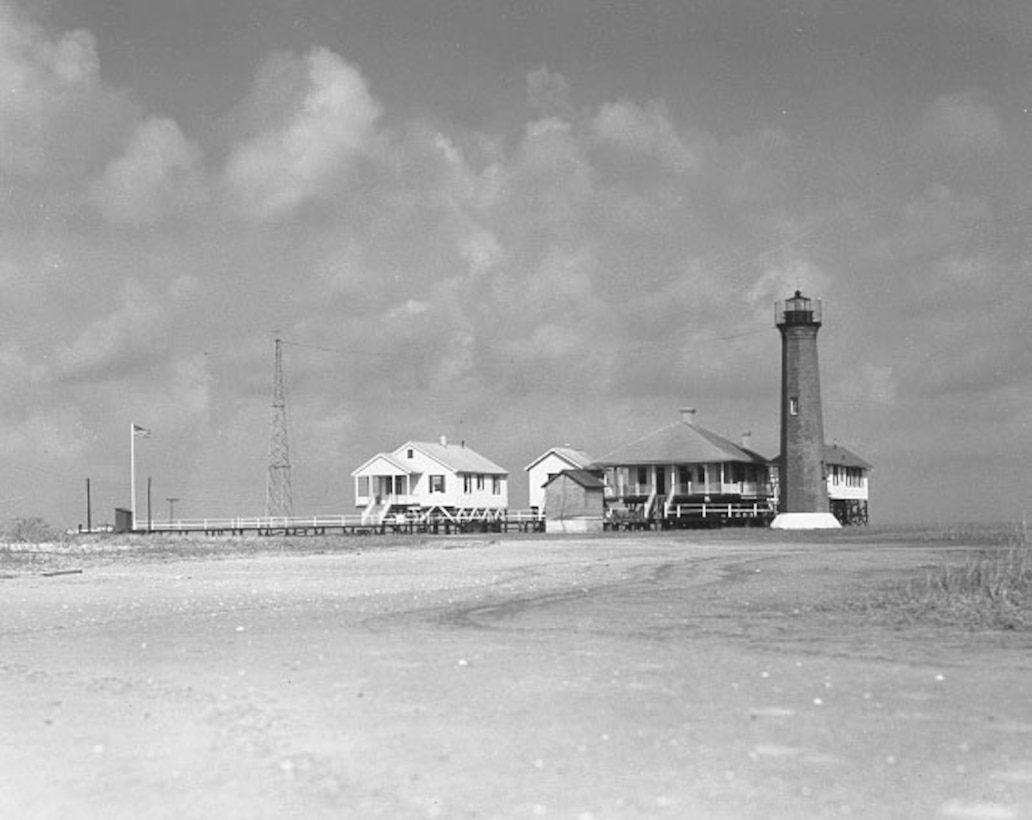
{"points": [[421, 476], [848, 480], [547, 466]]}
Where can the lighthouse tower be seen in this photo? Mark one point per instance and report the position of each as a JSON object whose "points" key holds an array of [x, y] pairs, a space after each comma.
{"points": [[803, 486]]}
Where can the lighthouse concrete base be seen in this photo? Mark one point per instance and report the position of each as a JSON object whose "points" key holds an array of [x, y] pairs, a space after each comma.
{"points": [[805, 521]]}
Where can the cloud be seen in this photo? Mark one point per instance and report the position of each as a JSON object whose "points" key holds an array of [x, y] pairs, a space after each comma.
{"points": [[645, 130], [548, 93], [328, 124], [159, 174], [116, 345], [783, 277], [962, 123], [55, 114], [935, 223]]}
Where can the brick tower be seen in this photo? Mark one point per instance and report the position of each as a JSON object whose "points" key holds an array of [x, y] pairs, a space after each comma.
{"points": [[803, 486]]}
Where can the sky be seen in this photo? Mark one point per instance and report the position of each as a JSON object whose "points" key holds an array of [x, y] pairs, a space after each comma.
{"points": [[516, 223]]}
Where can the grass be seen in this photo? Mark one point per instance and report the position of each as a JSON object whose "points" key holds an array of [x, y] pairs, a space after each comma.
{"points": [[982, 581], [991, 588]]}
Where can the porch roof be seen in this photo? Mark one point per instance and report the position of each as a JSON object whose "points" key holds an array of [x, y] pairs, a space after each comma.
{"points": [[679, 443]]}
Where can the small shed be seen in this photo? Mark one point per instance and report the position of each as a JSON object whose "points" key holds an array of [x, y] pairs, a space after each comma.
{"points": [[574, 502]]}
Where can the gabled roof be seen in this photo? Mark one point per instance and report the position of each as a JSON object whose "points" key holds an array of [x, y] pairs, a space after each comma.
{"points": [[575, 458], [679, 443], [389, 458], [837, 454], [456, 457], [587, 480]]}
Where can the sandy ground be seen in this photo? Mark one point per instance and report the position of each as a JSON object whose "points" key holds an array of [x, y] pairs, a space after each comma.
{"points": [[644, 677]]}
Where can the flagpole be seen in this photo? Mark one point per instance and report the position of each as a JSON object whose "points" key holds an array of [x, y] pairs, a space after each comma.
{"points": [[132, 475]]}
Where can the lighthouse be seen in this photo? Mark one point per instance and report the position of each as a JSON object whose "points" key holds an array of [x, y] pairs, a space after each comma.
{"points": [[803, 485]]}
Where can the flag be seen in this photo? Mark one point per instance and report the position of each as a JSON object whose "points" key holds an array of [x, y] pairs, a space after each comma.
{"points": [[141, 432]]}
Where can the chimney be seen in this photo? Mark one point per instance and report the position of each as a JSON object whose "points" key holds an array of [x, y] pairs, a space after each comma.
{"points": [[688, 415], [444, 441], [746, 439]]}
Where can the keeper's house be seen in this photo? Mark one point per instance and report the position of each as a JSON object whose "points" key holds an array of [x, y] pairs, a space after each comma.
{"points": [[848, 480], [847, 477], [421, 478], [546, 467], [685, 475]]}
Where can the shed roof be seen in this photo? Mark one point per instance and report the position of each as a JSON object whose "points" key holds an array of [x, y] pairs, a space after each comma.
{"points": [[575, 458], [680, 442], [586, 479]]}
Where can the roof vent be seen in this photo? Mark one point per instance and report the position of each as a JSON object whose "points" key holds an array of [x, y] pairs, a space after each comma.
{"points": [[688, 415]]}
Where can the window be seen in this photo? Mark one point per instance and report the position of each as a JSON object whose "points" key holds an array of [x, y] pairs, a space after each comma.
{"points": [[411, 453], [467, 483], [643, 476], [399, 485], [737, 472], [363, 485], [793, 406], [496, 485], [437, 483], [480, 481]]}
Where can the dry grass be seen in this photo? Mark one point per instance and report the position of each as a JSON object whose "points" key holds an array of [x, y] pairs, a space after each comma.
{"points": [[988, 587]]}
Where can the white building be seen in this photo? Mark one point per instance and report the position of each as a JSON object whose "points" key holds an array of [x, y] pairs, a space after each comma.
{"points": [[848, 484], [547, 466], [421, 476]]}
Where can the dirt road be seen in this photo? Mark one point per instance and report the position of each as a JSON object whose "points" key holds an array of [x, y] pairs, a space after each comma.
{"points": [[586, 679]]}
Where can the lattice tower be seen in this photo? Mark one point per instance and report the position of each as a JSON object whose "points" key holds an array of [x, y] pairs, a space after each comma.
{"points": [[279, 491]]}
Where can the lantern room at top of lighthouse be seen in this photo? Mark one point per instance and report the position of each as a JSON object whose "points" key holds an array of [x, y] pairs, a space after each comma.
{"points": [[797, 310]]}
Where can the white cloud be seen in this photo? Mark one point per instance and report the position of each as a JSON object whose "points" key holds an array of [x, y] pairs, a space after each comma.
{"points": [[39, 78], [158, 174], [113, 340], [782, 278], [129, 338], [961, 123], [332, 123], [481, 250], [647, 131], [548, 92]]}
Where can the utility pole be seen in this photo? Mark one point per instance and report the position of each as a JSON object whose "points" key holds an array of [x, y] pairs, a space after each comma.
{"points": [[89, 508], [279, 492], [171, 508]]}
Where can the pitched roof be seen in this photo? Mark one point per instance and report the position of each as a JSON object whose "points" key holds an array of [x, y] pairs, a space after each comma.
{"points": [[837, 454], [575, 458], [389, 458], [679, 443], [586, 479], [456, 457]]}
